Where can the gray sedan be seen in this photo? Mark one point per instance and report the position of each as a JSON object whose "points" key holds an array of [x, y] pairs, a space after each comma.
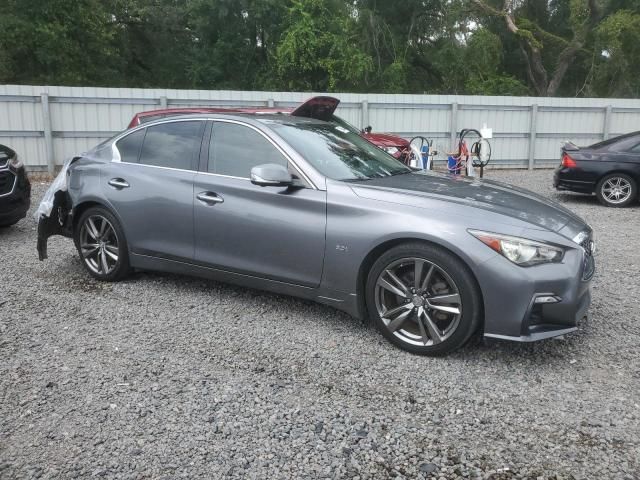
{"points": [[308, 208]]}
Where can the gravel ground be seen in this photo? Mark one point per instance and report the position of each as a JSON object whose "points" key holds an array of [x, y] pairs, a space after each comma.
{"points": [[163, 376]]}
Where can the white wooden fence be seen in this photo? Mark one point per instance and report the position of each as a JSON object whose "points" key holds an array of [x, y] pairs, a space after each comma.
{"points": [[46, 124]]}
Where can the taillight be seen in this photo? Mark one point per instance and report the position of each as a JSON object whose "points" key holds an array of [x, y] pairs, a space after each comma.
{"points": [[568, 162]]}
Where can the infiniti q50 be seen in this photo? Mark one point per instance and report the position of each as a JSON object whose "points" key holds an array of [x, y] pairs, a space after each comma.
{"points": [[308, 208]]}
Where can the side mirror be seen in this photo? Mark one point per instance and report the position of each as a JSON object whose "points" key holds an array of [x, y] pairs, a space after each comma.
{"points": [[368, 129], [271, 175]]}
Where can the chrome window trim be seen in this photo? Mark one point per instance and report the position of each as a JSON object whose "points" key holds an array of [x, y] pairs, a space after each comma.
{"points": [[118, 159]]}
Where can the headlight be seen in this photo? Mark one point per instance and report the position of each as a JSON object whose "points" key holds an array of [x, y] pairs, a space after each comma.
{"points": [[520, 251], [15, 163], [391, 150]]}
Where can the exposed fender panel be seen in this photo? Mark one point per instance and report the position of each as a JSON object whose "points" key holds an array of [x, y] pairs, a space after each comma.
{"points": [[320, 108], [52, 214]]}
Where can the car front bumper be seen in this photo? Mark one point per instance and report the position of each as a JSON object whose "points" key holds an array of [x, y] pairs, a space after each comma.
{"points": [[539, 302], [15, 203]]}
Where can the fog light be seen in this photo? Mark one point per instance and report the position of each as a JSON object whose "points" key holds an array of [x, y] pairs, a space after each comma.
{"points": [[547, 299]]}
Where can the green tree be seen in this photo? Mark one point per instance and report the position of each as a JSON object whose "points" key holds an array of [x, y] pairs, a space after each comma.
{"points": [[549, 47], [317, 50], [617, 50], [69, 42], [483, 64]]}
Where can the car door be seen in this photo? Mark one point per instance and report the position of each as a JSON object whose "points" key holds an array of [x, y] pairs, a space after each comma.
{"points": [[270, 232], [151, 187]]}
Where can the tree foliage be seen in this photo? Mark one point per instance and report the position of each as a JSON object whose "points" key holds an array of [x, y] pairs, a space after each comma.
{"points": [[491, 47]]}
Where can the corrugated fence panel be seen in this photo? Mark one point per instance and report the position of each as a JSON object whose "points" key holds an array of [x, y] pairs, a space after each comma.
{"points": [[24, 116], [624, 122], [81, 117], [30, 149], [410, 121], [582, 122]]}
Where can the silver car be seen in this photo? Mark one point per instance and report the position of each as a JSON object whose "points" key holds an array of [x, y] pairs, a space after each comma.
{"points": [[308, 208]]}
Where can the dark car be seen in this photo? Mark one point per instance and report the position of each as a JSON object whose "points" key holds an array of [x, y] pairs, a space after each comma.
{"points": [[309, 208], [15, 189], [321, 108], [611, 169]]}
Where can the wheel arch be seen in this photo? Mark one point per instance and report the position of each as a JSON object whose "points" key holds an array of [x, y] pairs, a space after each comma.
{"points": [[379, 249], [88, 203], [628, 172]]}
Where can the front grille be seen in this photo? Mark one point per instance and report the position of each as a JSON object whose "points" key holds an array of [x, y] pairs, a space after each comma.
{"points": [[7, 179]]}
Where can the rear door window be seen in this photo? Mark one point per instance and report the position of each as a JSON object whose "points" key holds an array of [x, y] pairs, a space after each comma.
{"points": [[235, 149], [172, 145], [129, 146]]}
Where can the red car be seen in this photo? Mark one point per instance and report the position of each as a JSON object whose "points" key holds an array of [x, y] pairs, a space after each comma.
{"points": [[321, 108]]}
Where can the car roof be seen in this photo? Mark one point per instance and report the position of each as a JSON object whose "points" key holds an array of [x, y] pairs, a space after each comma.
{"points": [[615, 140], [177, 111], [251, 118]]}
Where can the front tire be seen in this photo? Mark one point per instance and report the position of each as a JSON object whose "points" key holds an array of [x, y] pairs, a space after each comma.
{"points": [[9, 224], [101, 244], [423, 299], [617, 190]]}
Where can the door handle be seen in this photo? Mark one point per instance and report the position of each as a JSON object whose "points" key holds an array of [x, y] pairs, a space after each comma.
{"points": [[209, 197], [118, 183]]}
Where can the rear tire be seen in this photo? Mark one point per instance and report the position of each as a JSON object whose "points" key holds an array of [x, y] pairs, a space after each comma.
{"points": [[101, 244], [617, 190], [423, 299]]}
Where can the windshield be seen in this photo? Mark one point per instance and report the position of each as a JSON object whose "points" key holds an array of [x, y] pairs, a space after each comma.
{"points": [[343, 123], [339, 153]]}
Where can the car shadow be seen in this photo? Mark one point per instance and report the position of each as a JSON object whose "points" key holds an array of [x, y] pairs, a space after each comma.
{"points": [[478, 349], [584, 199]]}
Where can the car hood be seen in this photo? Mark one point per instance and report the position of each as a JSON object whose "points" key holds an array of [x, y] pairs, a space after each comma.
{"points": [[386, 140], [488, 195]]}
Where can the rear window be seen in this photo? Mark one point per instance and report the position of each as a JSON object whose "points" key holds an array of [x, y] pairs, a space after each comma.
{"points": [[631, 138], [129, 146]]}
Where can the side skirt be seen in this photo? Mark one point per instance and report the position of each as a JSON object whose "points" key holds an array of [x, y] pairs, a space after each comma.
{"points": [[339, 300]]}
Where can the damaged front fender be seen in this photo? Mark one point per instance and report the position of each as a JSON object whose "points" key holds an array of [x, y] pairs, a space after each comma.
{"points": [[54, 212]]}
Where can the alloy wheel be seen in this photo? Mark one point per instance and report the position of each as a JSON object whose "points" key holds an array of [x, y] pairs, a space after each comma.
{"points": [[616, 190], [418, 301], [99, 245]]}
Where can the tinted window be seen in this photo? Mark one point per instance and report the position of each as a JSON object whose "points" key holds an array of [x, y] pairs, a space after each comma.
{"points": [[613, 141], [236, 149], [174, 145], [636, 149], [129, 146]]}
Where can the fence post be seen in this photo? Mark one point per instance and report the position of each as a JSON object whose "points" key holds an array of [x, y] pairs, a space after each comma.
{"points": [[533, 131], [364, 121], [454, 123], [271, 103], [606, 130], [48, 135], [163, 102]]}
